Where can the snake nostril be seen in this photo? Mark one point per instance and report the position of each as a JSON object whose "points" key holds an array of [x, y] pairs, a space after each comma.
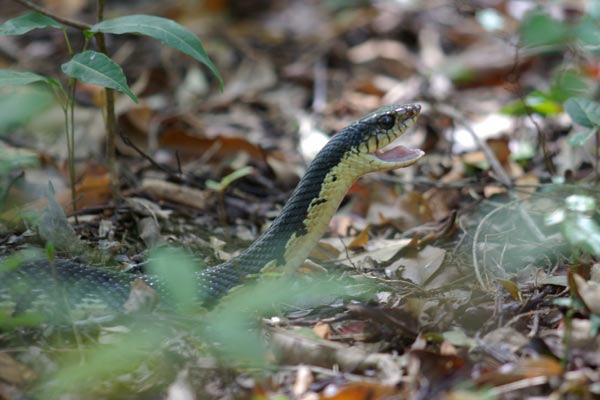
{"points": [[412, 110]]}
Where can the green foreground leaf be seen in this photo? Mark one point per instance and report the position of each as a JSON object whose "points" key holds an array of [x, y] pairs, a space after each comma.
{"points": [[539, 29], [26, 23], [578, 139], [21, 104], [164, 30], [14, 78], [97, 69], [583, 111]]}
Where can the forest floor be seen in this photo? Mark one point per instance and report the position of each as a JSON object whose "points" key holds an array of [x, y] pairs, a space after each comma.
{"points": [[471, 274]]}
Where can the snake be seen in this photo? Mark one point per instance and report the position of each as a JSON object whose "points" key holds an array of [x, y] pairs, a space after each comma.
{"points": [[366, 145]]}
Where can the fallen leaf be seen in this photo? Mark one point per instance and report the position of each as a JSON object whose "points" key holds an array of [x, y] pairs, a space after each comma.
{"points": [[322, 330], [304, 378], [419, 269], [361, 240], [357, 391], [589, 292], [142, 298], [512, 288], [376, 252], [14, 372], [218, 147]]}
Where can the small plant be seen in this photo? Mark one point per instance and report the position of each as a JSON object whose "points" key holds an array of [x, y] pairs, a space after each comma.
{"points": [[585, 113], [220, 187], [574, 81], [95, 67]]}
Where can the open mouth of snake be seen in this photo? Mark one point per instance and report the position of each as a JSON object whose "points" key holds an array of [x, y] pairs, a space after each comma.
{"points": [[398, 154]]}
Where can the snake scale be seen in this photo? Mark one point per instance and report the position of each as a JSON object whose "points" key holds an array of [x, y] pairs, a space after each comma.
{"points": [[354, 151]]}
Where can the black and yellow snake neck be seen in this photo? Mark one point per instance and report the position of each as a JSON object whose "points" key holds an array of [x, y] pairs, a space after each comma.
{"points": [[351, 153]]}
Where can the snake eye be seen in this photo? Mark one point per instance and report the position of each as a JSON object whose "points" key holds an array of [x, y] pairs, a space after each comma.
{"points": [[386, 122]]}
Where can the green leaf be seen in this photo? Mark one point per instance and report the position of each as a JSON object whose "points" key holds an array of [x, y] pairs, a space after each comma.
{"points": [[164, 30], [26, 23], [571, 83], [578, 139], [11, 78], [21, 104], [588, 34], [542, 103], [97, 69], [177, 271], [541, 30], [516, 108], [229, 179], [583, 111], [536, 101]]}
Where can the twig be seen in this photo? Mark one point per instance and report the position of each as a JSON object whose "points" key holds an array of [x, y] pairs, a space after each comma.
{"points": [[597, 138], [489, 154], [142, 154], [501, 176], [518, 385], [476, 267], [111, 119], [62, 20], [528, 111]]}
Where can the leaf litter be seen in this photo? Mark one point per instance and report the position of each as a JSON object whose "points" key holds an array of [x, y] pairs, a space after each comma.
{"points": [[453, 285]]}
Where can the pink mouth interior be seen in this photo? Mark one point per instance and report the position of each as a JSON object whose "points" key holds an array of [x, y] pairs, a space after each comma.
{"points": [[398, 154]]}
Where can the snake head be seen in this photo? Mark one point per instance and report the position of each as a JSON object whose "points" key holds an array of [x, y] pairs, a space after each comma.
{"points": [[369, 140]]}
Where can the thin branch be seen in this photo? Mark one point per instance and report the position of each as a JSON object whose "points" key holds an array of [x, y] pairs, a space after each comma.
{"points": [[516, 80], [62, 20], [499, 172], [141, 153]]}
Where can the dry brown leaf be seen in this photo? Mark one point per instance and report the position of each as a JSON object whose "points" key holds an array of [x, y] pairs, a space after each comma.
{"points": [[419, 269], [524, 369], [142, 298], [512, 288], [342, 223], [540, 366], [304, 378], [253, 75], [376, 252], [434, 366], [93, 189], [325, 252], [491, 190], [448, 349], [499, 147], [529, 179], [589, 292], [404, 212], [361, 240], [357, 391], [442, 202], [322, 330], [14, 372], [474, 158], [220, 147], [310, 267]]}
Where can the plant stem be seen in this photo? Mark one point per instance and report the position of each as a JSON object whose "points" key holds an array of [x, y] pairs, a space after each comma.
{"points": [[111, 119], [597, 137], [62, 20], [71, 142]]}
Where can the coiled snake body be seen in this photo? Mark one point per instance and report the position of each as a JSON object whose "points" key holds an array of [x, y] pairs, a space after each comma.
{"points": [[356, 150]]}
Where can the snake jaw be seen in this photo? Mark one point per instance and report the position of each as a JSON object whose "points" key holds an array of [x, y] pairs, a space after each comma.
{"points": [[388, 156], [399, 156]]}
